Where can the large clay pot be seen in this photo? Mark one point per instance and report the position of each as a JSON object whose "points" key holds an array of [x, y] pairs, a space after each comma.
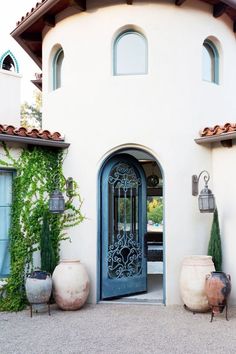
{"points": [[38, 287], [70, 285], [217, 287], [192, 282]]}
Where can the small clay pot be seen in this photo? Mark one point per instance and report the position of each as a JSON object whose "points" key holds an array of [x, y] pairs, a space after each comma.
{"points": [[217, 288]]}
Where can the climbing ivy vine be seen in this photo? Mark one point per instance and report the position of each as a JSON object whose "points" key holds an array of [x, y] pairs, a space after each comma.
{"points": [[38, 173]]}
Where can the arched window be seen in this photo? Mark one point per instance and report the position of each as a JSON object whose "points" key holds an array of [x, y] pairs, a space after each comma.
{"points": [[9, 62], [210, 62], [58, 69], [6, 178], [130, 54]]}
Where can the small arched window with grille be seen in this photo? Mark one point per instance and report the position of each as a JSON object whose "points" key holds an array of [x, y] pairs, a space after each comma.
{"points": [[58, 69], [130, 54], [210, 62], [9, 62]]}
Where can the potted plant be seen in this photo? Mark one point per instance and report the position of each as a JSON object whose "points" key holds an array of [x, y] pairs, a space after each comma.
{"points": [[38, 288], [214, 246], [38, 283]]}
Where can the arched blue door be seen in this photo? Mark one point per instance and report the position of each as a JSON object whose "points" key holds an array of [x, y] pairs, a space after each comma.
{"points": [[123, 226]]}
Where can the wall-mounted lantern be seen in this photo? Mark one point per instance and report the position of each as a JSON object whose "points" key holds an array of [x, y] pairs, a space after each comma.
{"points": [[56, 202], [206, 199]]}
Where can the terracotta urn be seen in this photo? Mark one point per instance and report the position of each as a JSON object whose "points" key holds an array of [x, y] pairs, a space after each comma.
{"points": [[218, 288], [192, 282], [70, 284]]}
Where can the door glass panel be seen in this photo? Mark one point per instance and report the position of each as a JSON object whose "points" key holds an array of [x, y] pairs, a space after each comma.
{"points": [[124, 248]]}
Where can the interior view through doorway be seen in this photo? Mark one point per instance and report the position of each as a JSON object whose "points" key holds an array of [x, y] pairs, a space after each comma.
{"points": [[153, 236]]}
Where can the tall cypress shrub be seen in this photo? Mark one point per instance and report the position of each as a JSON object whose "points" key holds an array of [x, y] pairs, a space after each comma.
{"points": [[214, 246], [48, 259]]}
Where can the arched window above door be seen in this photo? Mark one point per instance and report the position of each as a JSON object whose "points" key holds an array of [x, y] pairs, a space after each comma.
{"points": [[58, 69], [9, 62], [130, 54], [210, 62]]}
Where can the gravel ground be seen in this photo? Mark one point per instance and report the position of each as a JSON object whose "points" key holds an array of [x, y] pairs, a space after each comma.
{"points": [[117, 328]]}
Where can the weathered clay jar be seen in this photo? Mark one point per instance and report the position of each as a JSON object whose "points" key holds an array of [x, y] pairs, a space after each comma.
{"points": [[38, 286], [70, 285], [192, 282], [217, 287]]}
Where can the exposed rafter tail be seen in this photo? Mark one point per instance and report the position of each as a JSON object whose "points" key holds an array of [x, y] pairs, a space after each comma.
{"points": [[219, 9], [81, 4], [49, 20], [234, 27], [179, 2]]}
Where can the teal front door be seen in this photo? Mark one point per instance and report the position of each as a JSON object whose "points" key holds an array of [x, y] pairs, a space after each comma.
{"points": [[123, 226]]}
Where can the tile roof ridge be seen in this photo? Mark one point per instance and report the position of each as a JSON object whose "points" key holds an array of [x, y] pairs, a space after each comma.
{"points": [[218, 130], [33, 9], [21, 131]]}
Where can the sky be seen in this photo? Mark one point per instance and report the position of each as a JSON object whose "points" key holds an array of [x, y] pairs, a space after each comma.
{"points": [[11, 12]]}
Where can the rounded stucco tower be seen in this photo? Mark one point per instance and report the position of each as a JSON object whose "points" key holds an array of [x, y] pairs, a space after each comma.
{"points": [[140, 77]]}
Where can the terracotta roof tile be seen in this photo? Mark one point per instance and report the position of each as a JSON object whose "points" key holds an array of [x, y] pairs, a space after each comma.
{"points": [[21, 131], [218, 130], [30, 12], [30, 133]]}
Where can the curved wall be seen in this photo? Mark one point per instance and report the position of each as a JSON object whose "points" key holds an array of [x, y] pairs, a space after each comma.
{"points": [[162, 111]]}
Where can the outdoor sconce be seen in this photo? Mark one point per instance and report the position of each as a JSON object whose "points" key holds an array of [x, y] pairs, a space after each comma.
{"points": [[206, 200], [56, 202]]}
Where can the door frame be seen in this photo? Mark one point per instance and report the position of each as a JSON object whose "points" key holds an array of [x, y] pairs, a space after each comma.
{"points": [[113, 152], [138, 281]]}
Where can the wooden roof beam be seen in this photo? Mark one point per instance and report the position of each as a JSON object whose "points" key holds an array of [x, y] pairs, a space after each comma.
{"points": [[179, 2], [32, 37], [219, 9]]}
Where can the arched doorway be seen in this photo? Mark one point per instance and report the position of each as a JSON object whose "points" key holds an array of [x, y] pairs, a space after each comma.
{"points": [[131, 228]]}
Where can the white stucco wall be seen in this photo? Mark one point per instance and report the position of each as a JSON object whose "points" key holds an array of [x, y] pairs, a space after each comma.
{"points": [[225, 193], [10, 97], [161, 112]]}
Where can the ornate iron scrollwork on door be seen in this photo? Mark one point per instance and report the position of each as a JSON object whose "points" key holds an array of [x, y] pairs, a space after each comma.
{"points": [[124, 177], [124, 249], [124, 257]]}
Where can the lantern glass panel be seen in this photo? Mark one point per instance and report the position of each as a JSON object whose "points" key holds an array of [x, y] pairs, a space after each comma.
{"points": [[206, 201], [56, 203]]}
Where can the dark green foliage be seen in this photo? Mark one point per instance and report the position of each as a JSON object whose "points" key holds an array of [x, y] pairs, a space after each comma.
{"points": [[48, 259], [37, 170], [214, 247]]}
